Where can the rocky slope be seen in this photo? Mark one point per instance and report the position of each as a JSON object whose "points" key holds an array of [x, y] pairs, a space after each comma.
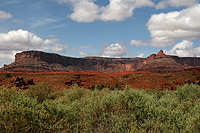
{"points": [[37, 61]]}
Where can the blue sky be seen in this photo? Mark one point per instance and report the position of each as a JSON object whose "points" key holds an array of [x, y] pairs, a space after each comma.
{"points": [[107, 28]]}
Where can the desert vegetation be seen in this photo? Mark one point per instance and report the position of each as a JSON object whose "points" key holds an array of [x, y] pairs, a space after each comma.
{"points": [[42, 109]]}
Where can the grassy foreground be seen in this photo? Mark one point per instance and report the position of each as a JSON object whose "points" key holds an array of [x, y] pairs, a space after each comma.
{"points": [[40, 109]]}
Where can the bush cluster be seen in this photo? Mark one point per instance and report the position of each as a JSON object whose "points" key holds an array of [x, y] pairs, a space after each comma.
{"points": [[80, 110], [102, 86]]}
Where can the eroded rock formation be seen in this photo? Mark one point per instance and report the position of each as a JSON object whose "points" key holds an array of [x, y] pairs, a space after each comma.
{"points": [[37, 61]]}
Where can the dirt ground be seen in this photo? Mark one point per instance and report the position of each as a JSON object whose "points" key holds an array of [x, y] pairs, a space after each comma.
{"points": [[87, 79]]}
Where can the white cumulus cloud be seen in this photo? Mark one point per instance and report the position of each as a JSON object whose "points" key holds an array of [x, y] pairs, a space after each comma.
{"points": [[85, 11], [184, 49], [175, 3], [114, 50], [22, 40], [117, 10], [7, 56], [167, 28], [81, 53], [140, 55], [138, 43], [59, 48], [5, 15]]}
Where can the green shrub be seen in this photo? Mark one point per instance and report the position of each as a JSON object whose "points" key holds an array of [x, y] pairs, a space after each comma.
{"points": [[82, 110], [102, 86], [40, 91], [21, 113], [55, 95], [8, 75], [98, 87], [126, 76], [190, 91], [21, 118]]}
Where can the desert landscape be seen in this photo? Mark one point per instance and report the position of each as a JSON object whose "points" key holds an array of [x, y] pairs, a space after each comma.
{"points": [[159, 92], [158, 71], [99, 66]]}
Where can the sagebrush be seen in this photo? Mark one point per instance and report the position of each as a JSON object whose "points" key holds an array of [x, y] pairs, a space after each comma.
{"points": [[41, 109]]}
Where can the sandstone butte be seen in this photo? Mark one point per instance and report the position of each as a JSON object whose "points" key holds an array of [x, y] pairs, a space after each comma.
{"points": [[38, 61]]}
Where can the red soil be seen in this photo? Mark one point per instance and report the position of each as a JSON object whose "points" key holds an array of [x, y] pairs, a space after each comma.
{"points": [[86, 79]]}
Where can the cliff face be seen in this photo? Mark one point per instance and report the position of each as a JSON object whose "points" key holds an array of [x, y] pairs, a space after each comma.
{"points": [[37, 61]]}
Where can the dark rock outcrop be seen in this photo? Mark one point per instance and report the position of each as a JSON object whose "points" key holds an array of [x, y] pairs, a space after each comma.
{"points": [[19, 82], [37, 61]]}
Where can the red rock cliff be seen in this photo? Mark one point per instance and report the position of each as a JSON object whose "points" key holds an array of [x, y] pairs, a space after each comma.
{"points": [[37, 61]]}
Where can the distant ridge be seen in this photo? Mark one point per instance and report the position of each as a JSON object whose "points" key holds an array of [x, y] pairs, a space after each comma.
{"points": [[38, 61]]}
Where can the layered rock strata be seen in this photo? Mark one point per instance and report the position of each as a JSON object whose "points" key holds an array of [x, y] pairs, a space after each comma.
{"points": [[37, 61]]}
